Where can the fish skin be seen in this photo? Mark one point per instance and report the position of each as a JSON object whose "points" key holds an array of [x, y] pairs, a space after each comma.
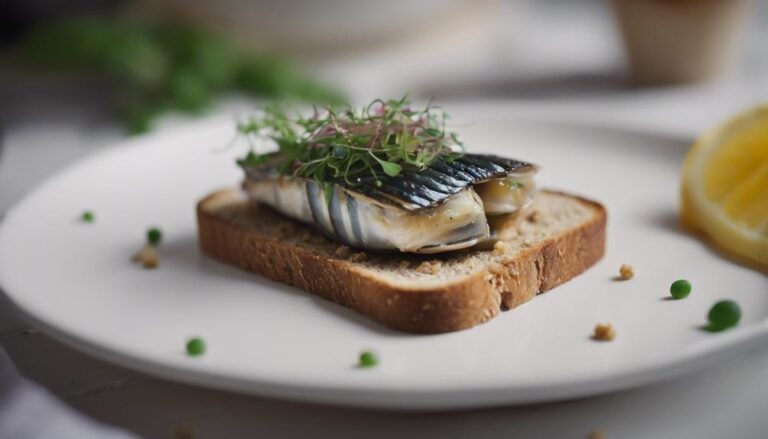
{"points": [[422, 189]]}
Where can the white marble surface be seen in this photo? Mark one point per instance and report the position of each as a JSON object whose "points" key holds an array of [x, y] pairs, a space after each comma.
{"points": [[577, 74]]}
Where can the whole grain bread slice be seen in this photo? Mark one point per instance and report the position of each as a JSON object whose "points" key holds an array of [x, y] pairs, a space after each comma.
{"points": [[558, 238]]}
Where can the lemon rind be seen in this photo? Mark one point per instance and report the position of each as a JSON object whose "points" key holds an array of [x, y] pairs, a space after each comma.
{"points": [[700, 213]]}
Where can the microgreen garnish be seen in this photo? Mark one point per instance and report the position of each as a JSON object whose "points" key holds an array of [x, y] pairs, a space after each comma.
{"points": [[382, 139]]}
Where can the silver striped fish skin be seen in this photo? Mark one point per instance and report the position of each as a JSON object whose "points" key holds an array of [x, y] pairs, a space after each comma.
{"points": [[433, 210]]}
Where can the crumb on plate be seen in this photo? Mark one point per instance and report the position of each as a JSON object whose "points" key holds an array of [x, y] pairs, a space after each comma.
{"points": [[148, 256], [604, 332], [626, 272]]}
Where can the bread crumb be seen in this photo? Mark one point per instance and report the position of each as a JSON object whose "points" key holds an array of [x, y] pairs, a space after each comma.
{"points": [[597, 434], [507, 259], [358, 257], [148, 257], [500, 247], [527, 242], [534, 217], [626, 272], [429, 267], [604, 332], [343, 251]]}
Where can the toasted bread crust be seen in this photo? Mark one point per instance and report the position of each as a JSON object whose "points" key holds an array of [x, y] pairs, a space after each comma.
{"points": [[453, 305]]}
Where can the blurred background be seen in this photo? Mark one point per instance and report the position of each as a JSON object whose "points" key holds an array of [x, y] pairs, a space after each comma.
{"points": [[133, 61], [78, 74]]}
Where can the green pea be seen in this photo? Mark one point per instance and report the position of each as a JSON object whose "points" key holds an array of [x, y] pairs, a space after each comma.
{"points": [[680, 289], [368, 359], [154, 235], [195, 347], [88, 216], [723, 315]]}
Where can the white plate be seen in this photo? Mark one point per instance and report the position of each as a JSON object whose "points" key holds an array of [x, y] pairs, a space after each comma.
{"points": [[76, 281]]}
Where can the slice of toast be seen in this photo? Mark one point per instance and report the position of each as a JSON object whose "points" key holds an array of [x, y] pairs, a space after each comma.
{"points": [[560, 237]]}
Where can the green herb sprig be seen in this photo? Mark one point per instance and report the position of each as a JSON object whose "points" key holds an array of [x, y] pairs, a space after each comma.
{"points": [[382, 138], [162, 67]]}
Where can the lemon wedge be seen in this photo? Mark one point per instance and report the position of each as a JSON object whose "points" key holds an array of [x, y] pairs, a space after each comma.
{"points": [[725, 185]]}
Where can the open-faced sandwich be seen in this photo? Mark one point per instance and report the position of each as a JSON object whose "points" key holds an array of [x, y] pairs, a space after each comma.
{"points": [[382, 210]]}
